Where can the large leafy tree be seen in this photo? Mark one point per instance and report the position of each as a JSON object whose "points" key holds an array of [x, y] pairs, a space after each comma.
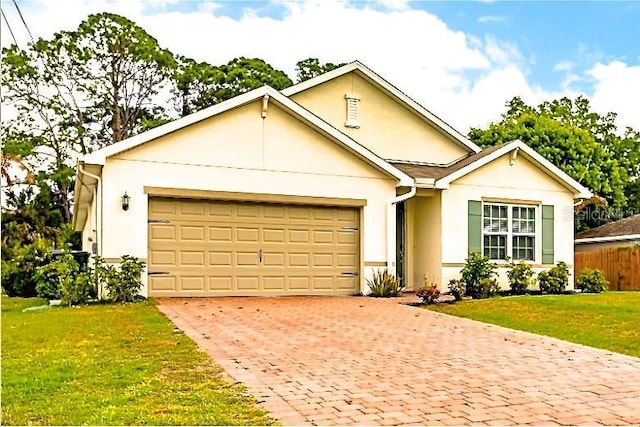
{"points": [[78, 91], [311, 67], [582, 143]]}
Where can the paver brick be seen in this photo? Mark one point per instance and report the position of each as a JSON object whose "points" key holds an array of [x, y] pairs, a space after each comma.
{"points": [[361, 361]]}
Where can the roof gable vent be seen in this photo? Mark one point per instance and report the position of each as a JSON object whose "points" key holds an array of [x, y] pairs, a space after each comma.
{"points": [[352, 111]]}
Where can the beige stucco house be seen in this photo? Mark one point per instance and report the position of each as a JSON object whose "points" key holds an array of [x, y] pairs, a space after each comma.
{"points": [[308, 190]]}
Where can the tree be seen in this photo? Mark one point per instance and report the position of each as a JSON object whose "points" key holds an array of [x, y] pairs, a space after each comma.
{"points": [[579, 141], [195, 85], [311, 67], [78, 91], [244, 74]]}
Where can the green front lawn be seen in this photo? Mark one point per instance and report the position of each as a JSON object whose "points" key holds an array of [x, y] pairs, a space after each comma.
{"points": [[111, 365], [610, 320]]}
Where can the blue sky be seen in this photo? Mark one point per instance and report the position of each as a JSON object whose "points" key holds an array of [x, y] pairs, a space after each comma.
{"points": [[462, 60]]}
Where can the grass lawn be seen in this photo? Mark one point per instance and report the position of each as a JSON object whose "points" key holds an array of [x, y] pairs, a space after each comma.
{"points": [[610, 320], [111, 365]]}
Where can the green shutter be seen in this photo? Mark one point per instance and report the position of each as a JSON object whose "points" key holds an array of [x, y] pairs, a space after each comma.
{"points": [[547, 234], [475, 226]]}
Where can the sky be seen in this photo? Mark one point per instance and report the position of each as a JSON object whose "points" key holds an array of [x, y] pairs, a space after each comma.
{"points": [[463, 60]]}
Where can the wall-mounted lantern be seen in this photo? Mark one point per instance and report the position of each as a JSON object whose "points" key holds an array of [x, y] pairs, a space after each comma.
{"points": [[125, 201]]}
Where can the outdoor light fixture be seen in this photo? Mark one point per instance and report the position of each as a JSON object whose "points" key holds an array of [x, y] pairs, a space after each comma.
{"points": [[125, 201]]}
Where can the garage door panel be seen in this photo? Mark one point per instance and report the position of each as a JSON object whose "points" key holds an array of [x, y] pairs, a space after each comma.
{"points": [[248, 283], [298, 236], [162, 232], [273, 259], [192, 283], [250, 235], [234, 248], [192, 258], [192, 233], [220, 234], [220, 259], [162, 258], [247, 259], [221, 284], [299, 283], [162, 283]]}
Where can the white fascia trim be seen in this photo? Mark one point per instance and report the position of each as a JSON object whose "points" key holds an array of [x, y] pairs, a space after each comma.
{"points": [[580, 191], [356, 65], [606, 239], [99, 157]]}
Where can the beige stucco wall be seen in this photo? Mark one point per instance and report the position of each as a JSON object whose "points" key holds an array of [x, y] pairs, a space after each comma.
{"points": [[238, 151], [425, 242], [522, 181], [387, 127]]}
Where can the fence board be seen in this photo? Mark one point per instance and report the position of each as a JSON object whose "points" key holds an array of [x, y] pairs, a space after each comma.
{"points": [[621, 266]]}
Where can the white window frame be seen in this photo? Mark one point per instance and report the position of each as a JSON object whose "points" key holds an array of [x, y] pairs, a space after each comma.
{"points": [[510, 234]]}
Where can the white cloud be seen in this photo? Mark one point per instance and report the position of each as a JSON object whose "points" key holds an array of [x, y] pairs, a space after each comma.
{"points": [[617, 88], [564, 66], [463, 79], [486, 19]]}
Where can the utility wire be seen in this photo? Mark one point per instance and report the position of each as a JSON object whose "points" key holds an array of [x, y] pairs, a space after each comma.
{"points": [[15, 3], [6, 21]]}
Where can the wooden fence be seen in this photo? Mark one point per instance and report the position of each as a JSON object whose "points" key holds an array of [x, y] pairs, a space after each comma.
{"points": [[621, 266]]}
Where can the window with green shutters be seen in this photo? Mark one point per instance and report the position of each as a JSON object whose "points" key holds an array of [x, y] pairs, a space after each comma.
{"points": [[500, 231]]}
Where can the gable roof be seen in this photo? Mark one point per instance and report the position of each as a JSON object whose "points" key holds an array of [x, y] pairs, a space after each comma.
{"points": [[390, 89], [99, 157], [624, 229], [443, 176]]}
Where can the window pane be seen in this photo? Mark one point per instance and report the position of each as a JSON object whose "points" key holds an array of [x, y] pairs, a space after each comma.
{"points": [[495, 247], [523, 247]]}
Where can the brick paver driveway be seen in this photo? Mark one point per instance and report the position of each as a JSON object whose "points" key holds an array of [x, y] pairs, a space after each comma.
{"points": [[356, 360]]}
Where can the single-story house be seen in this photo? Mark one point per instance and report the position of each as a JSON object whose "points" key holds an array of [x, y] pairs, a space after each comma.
{"points": [[308, 190], [624, 232]]}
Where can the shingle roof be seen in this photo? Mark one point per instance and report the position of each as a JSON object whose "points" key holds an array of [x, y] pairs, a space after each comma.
{"points": [[421, 170], [623, 227]]}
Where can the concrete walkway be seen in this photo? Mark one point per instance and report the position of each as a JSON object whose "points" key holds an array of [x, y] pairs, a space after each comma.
{"points": [[357, 360]]}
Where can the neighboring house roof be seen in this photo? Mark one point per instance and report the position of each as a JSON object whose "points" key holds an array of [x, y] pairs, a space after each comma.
{"points": [[396, 93], [441, 177], [99, 157], [624, 229]]}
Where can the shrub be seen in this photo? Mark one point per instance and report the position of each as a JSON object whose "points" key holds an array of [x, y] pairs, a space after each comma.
{"points": [[520, 277], [457, 289], [592, 280], [429, 294], [124, 285], [488, 288], [384, 284], [77, 291], [49, 278], [19, 266], [476, 269], [555, 280]]}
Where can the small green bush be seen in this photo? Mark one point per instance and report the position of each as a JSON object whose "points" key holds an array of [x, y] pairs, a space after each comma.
{"points": [[384, 284], [457, 289], [555, 280], [77, 291], [124, 285], [51, 277], [489, 287], [520, 277], [429, 294], [476, 269], [19, 266], [592, 280]]}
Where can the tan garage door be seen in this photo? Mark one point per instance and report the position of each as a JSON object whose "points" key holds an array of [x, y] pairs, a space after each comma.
{"points": [[214, 248]]}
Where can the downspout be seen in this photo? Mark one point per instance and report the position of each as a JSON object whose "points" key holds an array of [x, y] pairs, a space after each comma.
{"points": [[391, 232], [98, 201]]}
